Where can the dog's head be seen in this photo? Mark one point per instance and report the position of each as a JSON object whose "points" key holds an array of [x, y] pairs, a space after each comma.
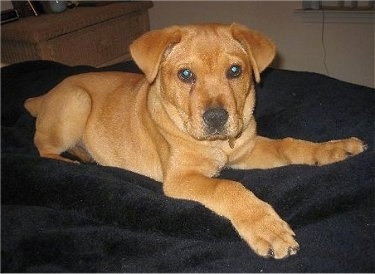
{"points": [[205, 75]]}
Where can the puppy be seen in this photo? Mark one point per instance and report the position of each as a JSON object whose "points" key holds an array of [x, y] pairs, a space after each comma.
{"points": [[186, 118]]}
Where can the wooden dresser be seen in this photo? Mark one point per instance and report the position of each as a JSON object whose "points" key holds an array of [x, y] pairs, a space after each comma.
{"points": [[95, 36]]}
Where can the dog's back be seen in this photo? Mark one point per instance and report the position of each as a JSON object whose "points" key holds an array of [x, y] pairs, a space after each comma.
{"points": [[84, 112]]}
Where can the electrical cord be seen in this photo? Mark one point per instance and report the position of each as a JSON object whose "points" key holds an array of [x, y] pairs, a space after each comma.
{"points": [[323, 42]]}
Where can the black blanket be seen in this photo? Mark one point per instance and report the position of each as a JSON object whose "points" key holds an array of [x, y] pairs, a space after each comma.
{"points": [[61, 217]]}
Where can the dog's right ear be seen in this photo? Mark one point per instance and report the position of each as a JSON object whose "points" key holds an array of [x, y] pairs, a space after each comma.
{"points": [[148, 50], [260, 48]]}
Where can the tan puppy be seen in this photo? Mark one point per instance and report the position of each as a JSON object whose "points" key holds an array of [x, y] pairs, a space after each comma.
{"points": [[181, 123]]}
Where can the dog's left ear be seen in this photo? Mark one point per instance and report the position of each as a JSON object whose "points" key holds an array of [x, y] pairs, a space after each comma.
{"points": [[260, 49], [148, 50]]}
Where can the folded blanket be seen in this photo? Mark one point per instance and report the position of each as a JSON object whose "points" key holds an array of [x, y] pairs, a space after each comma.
{"points": [[62, 217]]}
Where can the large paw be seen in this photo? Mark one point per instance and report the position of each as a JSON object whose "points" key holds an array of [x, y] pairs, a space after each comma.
{"points": [[338, 150], [267, 234]]}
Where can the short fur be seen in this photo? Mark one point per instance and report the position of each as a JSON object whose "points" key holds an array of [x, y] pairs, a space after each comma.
{"points": [[182, 132]]}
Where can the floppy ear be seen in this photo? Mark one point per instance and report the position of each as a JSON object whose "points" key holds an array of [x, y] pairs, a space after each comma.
{"points": [[260, 49], [148, 50]]}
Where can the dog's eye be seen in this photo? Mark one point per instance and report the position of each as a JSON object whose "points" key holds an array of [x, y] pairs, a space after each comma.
{"points": [[186, 75], [234, 71]]}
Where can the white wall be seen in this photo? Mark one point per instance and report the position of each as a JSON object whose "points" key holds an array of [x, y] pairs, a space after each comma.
{"points": [[349, 44], [5, 5]]}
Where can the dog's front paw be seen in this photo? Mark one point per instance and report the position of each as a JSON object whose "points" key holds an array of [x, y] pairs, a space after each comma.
{"points": [[267, 234], [338, 150]]}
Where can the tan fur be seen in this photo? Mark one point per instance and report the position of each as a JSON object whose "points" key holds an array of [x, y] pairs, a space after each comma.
{"points": [[155, 124]]}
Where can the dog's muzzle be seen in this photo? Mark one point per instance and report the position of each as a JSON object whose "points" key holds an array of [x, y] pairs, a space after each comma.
{"points": [[215, 120]]}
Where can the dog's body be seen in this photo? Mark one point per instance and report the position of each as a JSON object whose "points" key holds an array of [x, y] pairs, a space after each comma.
{"points": [[181, 123]]}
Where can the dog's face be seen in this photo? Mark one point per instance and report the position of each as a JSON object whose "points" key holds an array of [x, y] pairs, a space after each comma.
{"points": [[205, 75]]}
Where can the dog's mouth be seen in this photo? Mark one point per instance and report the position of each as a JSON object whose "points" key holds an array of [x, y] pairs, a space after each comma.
{"points": [[219, 135]]}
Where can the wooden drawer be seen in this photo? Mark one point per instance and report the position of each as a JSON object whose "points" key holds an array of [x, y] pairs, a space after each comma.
{"points": [[97, 41]]}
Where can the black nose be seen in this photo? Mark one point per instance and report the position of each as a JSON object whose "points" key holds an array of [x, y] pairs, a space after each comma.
{"points": [[215, 118]]}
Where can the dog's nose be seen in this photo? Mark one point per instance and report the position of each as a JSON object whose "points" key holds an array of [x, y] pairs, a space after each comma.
{"points": [[215, 118]]}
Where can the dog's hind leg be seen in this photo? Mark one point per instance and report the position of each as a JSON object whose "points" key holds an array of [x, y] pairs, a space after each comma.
{"points": [[61, 120]]}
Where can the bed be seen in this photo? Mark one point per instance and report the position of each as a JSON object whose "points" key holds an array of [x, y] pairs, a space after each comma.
{"points": [[63, 217]]}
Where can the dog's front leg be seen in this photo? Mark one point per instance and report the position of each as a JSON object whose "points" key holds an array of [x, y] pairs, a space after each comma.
{"points": [[256, 221], [268, 153]]}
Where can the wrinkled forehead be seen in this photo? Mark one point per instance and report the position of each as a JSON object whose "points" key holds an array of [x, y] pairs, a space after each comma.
{"points": [[207, 43]]}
